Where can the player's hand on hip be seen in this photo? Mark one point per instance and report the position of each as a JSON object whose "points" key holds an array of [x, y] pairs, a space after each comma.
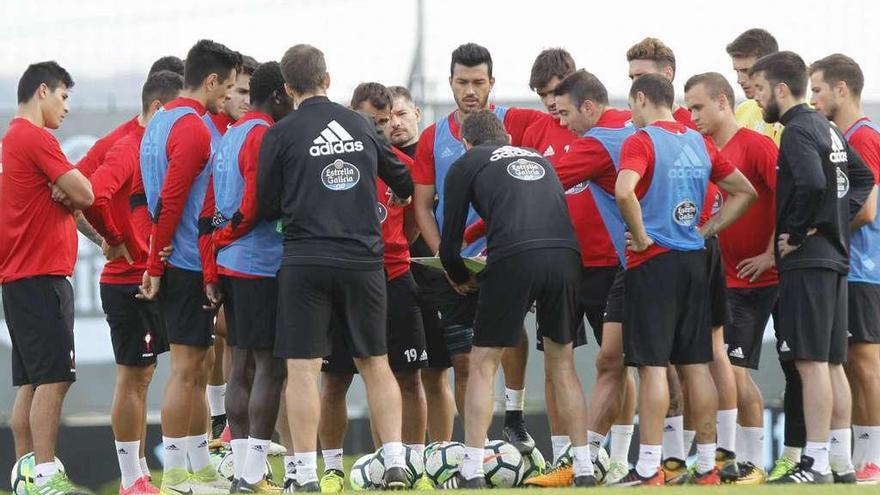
{"points": [[785, 248], [752, 268], [396, 201], [118, 251], [149, 288], [637, 245], [165, 253], [214, 295]]}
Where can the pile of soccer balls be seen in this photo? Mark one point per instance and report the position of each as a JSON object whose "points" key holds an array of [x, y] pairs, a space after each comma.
{"points": [[22, 475], [223, 463], [503, 465]]}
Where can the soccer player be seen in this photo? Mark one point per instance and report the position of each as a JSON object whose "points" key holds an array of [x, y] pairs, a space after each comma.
{"points": [[836, 83], [317, 172], [248, 257], [471, 81], [39, 243], [581, 102], [170, 63], [816, 171], [747, 249], [405, 332], [744, 51], [664, 173], [136, 327], [174, 151], [652, 56], [533, 258], [404, 135]]}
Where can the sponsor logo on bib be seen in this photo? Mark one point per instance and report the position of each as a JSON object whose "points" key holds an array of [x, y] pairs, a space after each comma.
{"points": [[340, 175], [685, 213], [527, 170], [578, 188], [842, 183], [718, 202], [382, 211]]}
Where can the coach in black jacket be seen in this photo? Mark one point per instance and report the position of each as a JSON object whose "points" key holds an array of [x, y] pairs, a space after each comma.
{"points": [[317, 171]]}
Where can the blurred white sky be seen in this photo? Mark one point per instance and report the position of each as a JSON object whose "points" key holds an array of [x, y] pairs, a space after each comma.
{"points": [[374, 39]]}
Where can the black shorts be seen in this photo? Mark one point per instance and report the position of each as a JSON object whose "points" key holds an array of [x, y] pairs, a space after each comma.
{"points": [[311, 296], [666, 316], [813, 315], [550, 278], [457, 316], [435, 341], [250, 306], [39, 316], [615, 304], [405, 333], [182, 299], [718, 305], [596, 282], [136, 328], [744, 334], [864, 313]]}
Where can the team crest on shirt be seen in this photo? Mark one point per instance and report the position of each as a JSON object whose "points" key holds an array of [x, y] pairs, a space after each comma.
{"points": [[340, 175], [382, 211], [842, 183], [718, 202], [685, 213], [578, 188], [527, 170]]}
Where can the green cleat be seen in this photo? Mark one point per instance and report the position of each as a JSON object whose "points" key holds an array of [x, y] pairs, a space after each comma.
{"points": [[333, 481], [423, 483], [782, 467], [58, 484], [616, 472]]}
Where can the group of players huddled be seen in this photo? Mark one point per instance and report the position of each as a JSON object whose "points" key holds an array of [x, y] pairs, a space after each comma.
{"points": [[242, 200]]}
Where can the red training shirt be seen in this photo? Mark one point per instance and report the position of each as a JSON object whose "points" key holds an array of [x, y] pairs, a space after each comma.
{"points": [[96, 154], [637, 155], [754, 154], [866, 142], [188, 151], [396, 247], [37, 234], [111, 213]]}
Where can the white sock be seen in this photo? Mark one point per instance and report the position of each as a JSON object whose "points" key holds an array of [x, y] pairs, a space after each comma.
{"points": [[688, 437], [289, 467], [44, 472], [705, 457], [649, 460], [819, 452], [558, 442], [472, 462], [217, 399], [673, 441], [145, 469], [514, 400], [306, 467], [793, 454], [175, 453], [621, 438], [582, 463], [726, 423], [239, 456], [332, 459], [872, 449], [255, 464], [395, 454], [417, 448], [751, 447], [840, 450], [860, 442], [129, 462], [595, 442], [197, 451]]}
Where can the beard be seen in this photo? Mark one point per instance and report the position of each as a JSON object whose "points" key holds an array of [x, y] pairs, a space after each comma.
{"points": [[481, 104], [771, 111]]}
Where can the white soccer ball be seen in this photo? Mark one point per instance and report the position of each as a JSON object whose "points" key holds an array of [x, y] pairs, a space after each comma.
{"points": [[443, 460], [502, 464], [360, 474], [600, 467], [22, 474], [222, 460], [534, 464], [414, 467]]}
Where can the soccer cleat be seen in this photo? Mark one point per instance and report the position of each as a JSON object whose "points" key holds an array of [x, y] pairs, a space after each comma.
{"points": [[288, 482], [276, 449], [584, 481], [675, 471], [556, 477], [712, 477], [725, 461], [633, 478], [868, 475], [423, 483], [783, 466], [749, 474], [844, 478], [58, 484], [207, 481], [293, 486], [395, 479], [516, 434], [263, 486], [459, 482], [616, 472], [176, 481], [141, 486], [804, 473], [333, 481]]}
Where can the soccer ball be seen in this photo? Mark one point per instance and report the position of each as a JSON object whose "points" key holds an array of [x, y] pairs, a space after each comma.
{"points": [[600, 467], [502, 464], [415, 466], [360, 474], [223, 463], [533, 464], [442, 461], [22, 475]]}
